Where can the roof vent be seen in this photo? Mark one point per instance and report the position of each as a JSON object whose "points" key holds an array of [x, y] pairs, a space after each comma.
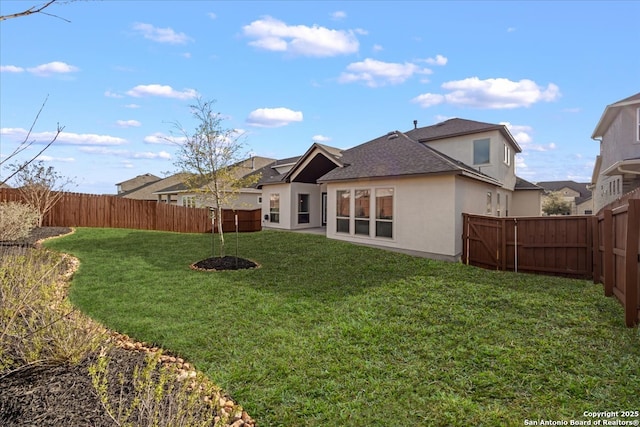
{"points": [[392, 135], [415, 124]]}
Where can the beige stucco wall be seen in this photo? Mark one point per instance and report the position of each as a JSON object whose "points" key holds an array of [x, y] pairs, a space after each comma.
{"points": [[526, 203], [461, 148], [425, 218], [246, 200], [284, 190]]}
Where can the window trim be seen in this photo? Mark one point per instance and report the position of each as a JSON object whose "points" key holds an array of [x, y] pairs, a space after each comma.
{"points": [[384, 220], [340, 218], [476, 143], [274, 217], [302, 215]]}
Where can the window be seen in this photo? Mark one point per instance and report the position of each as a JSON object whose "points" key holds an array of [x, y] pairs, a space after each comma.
{"points": [[489, 207], [343, 200], [481, 151], [303, 209], [384, 212], [507, 155], [362, 201], [274, 208], [189, 201]]}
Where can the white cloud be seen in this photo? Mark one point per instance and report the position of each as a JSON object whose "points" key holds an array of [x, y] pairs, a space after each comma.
{"points": [[320, 138], [498, 93], [160, 138], [126, 153], [376, 73], [273, 117], [438, 60], [160, 35], [428, 99], [274, 35], [45, 158], [521, 133], [511, 29], [55, 67], [65, 138], [338, 15], [164, 91], [128, 123], [133, 106], [377, 48], [212, 15], [110, 94], [10, 69]]}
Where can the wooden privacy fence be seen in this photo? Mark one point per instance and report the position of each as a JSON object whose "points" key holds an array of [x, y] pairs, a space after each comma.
{"points": [[89, 210], [605, 248], [617, 255], [560, 245]]}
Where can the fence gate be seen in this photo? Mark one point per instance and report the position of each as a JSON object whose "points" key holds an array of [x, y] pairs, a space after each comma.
{"points": [[545, 245]]}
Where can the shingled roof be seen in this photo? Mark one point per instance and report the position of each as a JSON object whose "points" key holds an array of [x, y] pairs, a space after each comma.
{"points": [[457, 127], [396, 154]]}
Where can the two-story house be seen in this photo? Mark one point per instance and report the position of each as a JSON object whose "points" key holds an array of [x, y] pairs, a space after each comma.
{"points": [[576, 194], [617, 167], [403, 190]]}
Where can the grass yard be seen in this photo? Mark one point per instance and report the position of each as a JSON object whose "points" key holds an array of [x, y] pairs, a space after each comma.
{"points": [[327, 333]]}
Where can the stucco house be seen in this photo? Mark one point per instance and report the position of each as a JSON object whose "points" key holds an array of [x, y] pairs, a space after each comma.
{"points": [[135, 183], [617, 167], [577, 194], [247, 198], [403, 190], [147, 190]]}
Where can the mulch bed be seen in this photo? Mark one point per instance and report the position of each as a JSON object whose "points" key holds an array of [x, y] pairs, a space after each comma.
{"points": [[223, 263], [62, 394]]}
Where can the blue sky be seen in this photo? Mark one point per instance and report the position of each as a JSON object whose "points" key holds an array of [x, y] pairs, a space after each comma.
{"points": [[120, 74]]}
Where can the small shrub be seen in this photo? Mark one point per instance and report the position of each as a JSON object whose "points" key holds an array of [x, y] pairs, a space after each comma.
{"points": [[156, 397], [17, 220], [37, 324]]}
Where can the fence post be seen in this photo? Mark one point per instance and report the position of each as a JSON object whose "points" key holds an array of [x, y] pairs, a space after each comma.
{"points": [[595, 253], [607, 258], [631, 263]]}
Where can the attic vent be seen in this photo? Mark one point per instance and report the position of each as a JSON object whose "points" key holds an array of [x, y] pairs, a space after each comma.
{"points": [[392, 135]]}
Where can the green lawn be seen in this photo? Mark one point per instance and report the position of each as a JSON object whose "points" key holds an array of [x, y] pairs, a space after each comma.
{"points": [[327, 333]]}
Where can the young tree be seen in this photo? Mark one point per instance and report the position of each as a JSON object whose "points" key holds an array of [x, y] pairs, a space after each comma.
{"points": [[41, 187], [210, 158], [554, 204]]}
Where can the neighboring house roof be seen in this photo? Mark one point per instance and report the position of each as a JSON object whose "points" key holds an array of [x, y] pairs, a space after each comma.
{"points": [[457, 127], [523, 184], [147, 191], [578, 187], [610, 113], [146, 176], [244, 168], [396, 154]]}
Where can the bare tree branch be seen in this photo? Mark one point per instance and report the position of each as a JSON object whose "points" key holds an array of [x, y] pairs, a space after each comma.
{"points": [[26, 144], [33, 10]]}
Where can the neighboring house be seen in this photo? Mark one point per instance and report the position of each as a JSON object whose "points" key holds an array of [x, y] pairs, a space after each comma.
{"points": [[246, 199], [134, 183], [577, 194], [148, 191], [617, 168], [405, 191]]}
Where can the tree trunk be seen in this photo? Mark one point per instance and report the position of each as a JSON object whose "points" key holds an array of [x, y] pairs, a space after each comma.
{"points": [[220, 232]]}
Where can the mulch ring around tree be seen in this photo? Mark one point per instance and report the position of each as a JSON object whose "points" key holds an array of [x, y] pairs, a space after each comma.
{"points": [[224, 263]]}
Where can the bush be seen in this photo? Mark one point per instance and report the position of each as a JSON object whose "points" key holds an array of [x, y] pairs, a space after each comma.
{"points": [[37, 324], [17, 220]]}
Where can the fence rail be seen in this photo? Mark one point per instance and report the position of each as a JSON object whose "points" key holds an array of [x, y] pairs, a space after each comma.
{"points": [[90, 210]]}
